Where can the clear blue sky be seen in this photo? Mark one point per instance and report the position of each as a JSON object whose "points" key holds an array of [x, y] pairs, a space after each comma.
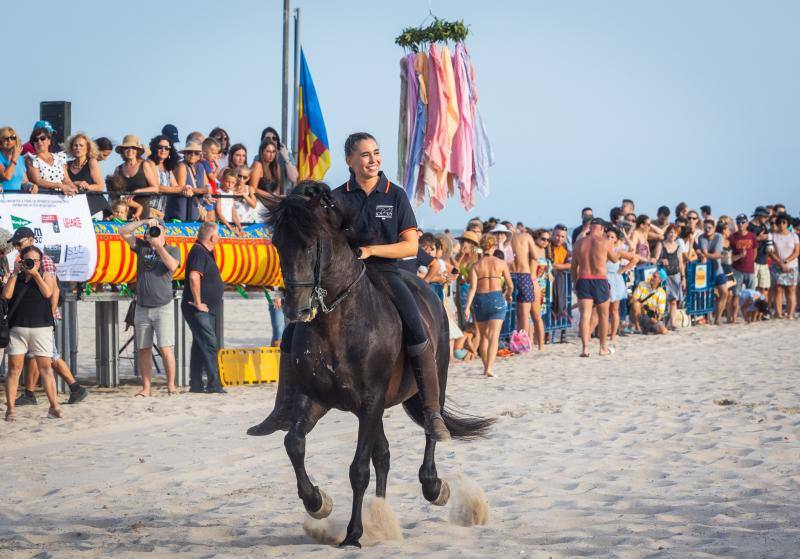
{"points": [[585, 102]]}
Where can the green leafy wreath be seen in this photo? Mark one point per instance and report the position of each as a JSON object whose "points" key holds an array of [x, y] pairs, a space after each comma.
{"points": [[437, 32]]}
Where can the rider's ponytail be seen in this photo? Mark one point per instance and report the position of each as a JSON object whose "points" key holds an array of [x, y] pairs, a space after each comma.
{"points": [[352, 141]]}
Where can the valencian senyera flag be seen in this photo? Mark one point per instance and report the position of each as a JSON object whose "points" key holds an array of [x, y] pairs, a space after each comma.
{"points": [[313, 153]]}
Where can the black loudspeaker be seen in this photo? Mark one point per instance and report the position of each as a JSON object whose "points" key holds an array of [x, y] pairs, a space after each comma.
{"points": [[59, 114]]}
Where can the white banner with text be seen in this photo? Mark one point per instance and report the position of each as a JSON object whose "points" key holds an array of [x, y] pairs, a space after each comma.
{"points": [[62, 229]]}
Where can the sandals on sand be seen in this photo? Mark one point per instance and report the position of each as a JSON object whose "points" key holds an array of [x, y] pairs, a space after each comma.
{"points": [[10, 417], [54, 413]]}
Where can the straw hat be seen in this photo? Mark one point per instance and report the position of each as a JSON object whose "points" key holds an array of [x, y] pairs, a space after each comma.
{"points": [[192, 146], [130, 141], [471, 237]]}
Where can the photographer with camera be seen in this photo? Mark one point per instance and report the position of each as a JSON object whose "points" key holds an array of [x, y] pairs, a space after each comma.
{"points": [[156, 264], [22, 239], [649, 303], [30, 320]]}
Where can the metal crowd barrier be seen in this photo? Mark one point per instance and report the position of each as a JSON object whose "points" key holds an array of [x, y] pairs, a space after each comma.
{"points": [[553, 321], [700, 296]]}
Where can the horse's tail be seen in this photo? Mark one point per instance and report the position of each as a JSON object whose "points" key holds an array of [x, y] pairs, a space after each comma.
{"points": [[461, 425]]}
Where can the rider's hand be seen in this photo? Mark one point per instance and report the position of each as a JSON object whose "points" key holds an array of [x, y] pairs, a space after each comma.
{"points": [[364, 252]]}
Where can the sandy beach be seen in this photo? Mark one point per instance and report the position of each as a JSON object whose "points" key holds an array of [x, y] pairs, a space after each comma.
{"points": [[676, 446]]}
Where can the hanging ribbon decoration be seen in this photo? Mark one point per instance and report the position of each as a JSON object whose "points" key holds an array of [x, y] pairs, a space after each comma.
{"points": [[442, 141]]}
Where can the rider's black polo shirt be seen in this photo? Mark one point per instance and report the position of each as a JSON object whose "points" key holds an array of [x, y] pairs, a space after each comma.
{"points": [[377, 219]]}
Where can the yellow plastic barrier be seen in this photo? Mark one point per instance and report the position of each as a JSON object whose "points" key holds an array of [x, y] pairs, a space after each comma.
{"points": [[248, 365]]}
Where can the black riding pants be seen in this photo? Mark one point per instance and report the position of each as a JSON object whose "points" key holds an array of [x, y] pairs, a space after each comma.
{"points": [[413, 329]]}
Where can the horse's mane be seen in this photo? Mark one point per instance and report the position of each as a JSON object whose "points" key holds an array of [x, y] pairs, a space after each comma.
{"points": [[296, 216]]}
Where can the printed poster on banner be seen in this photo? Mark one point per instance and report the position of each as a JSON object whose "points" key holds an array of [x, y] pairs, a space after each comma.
{"points": [[62, 229], [700, 276]]}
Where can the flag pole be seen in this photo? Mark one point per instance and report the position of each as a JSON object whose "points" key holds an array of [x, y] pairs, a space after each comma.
{"points": [[285, 84], [295, 124]]}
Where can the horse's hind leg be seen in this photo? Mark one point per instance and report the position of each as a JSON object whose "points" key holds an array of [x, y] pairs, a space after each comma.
{"points": [[435, 490], [380, 460], [317, 503], [359, 470]]}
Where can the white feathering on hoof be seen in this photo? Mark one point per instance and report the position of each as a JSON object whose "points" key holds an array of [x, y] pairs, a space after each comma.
{"points": [[380, 524], [469, 505], [325, 508], [444, 494]]}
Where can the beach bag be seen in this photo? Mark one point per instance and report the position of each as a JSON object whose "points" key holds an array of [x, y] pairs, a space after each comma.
{"points": [[519, 342], [682, 319]]}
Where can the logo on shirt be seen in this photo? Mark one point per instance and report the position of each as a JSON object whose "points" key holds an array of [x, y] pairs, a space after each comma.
{"points": [[384, 212]]}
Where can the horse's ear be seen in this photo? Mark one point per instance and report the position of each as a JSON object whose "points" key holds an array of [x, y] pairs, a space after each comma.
{"points": [[273, 201]]}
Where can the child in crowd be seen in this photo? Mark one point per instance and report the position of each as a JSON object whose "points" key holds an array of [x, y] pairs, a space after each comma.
{"points": [[211, 152], [245, 202], [225, 210], [119, 211], [754, 305]]}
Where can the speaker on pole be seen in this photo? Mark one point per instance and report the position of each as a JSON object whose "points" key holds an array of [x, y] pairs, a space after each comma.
{"points": [[59, 114]]}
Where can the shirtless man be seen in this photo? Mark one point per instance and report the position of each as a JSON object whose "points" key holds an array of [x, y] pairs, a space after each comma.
{"points": [[589, 258], [524, 247]]}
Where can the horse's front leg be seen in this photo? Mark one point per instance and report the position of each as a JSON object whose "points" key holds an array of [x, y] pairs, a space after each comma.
{"points": [[368, 417], [317, 503], [435, 490]]}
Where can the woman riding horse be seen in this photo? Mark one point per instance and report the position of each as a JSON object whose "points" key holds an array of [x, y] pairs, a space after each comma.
{"points": [[384, 229]]}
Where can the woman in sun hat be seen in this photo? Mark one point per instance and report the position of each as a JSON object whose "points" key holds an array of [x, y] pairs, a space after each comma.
{"points": [[191, 178], [137, 175]]}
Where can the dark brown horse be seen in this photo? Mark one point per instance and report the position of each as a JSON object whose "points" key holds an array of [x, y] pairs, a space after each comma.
{"points": [[347, 351]]}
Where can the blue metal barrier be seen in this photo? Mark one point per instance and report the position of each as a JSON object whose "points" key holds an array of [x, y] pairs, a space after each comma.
{"points": [[552, 322], [700, 296], [643, 272]]}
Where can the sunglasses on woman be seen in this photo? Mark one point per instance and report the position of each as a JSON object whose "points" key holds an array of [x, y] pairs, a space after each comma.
{"points": [[9, 138], [163, 148], [40, 138]]}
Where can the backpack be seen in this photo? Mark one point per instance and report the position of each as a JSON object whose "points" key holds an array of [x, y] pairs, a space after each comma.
{"points": [[519, 342]]}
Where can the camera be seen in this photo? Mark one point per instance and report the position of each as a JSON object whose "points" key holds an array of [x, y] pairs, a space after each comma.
{"points": [[28, 263], [154, 231]]}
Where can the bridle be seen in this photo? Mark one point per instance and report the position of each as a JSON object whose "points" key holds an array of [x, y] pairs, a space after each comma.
{"points": [[317, 292]]}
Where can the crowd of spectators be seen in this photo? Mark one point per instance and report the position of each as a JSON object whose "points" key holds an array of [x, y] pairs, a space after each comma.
{"points": [[205, 178], [751, 265]]}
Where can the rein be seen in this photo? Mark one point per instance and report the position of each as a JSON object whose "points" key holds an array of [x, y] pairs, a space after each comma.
{"points": [[318, 292]]}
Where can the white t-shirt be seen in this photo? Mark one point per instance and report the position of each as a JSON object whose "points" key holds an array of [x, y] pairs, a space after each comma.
{"points": [[226, 207], [784, 246]]}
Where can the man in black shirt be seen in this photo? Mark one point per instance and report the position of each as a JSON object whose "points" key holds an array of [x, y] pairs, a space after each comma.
{"points": [[202, 301], [760, 227]]}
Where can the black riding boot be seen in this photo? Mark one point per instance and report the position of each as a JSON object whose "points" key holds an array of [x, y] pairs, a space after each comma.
{"points": [[423, 363], [281, 416]]}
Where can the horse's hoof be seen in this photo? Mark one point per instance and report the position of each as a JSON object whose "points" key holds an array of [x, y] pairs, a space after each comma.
{"points": [[444, 495], [351, 542], [267, 427], [324, 509]]}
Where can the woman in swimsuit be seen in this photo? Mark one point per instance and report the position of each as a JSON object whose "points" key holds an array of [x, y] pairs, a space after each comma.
{"points": [[541, 268], [641, 238], [486, 298], [614, 272]]}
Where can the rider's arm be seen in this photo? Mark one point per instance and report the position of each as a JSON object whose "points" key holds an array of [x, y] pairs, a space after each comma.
{"points": [[408, 246]]}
